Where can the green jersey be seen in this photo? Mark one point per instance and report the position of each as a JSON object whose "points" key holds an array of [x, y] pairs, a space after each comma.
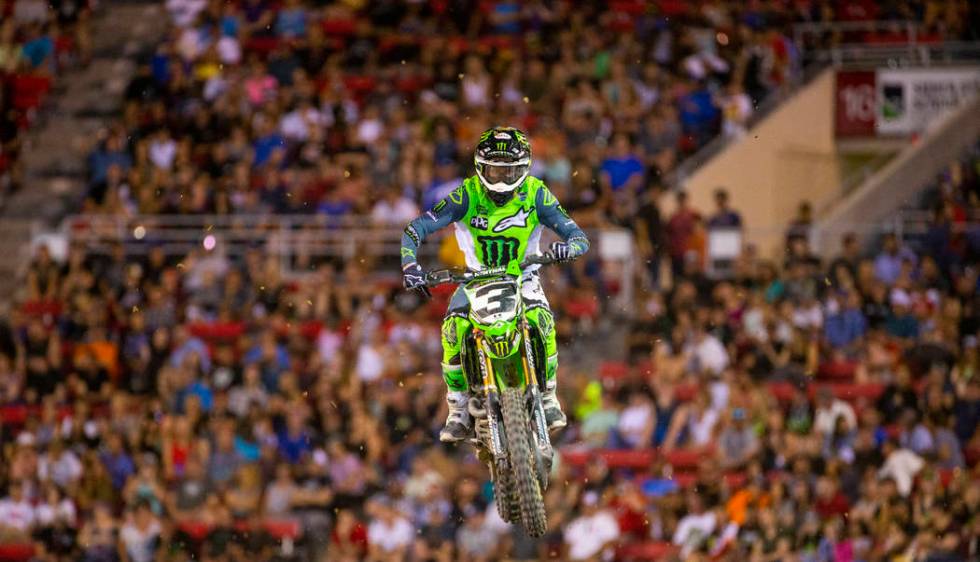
{"points": [[490, 235]]}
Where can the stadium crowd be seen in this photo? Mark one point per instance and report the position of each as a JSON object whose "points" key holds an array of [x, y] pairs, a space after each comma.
{"points": [[38, 39], [202, 405]]}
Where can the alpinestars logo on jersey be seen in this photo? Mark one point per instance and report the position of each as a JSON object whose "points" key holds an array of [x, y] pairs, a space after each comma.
{"points": [[518, 219]]}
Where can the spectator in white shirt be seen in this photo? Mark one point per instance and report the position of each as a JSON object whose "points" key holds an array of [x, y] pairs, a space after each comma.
{"points": [[140, 535], [708, 355], [163, 150], [829, 409], [55, 510], [389, 534], [16, 512], [184, 12], [394, 208], [901, 465], [695, 527], [590, 534], [60, 465]]}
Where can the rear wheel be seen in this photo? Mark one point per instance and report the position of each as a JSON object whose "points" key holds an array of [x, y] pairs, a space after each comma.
{"points": [[523, 473]]}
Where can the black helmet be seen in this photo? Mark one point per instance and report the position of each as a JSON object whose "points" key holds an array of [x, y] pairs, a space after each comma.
{"points": [[503, 160]]}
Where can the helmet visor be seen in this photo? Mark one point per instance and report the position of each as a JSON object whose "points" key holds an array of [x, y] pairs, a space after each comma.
{"points": [[507, 176]]}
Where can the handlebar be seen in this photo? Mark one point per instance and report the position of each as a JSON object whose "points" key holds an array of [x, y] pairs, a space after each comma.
{"points": [[443, 276]]}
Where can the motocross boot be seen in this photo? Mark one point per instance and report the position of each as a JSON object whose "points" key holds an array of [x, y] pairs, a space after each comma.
{"points": [[553, 415], [457, 425]]}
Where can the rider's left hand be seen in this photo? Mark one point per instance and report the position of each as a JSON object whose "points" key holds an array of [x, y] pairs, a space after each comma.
{"points": [[561, 252]]}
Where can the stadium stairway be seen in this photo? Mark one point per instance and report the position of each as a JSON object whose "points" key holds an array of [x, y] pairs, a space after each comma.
{"points": [[84, 100]]}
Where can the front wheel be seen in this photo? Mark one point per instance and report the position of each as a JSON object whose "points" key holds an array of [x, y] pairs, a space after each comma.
{"points": [[523, 473]]}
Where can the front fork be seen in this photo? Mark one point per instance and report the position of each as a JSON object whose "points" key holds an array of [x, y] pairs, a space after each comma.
{"points": [[492, 395], [537, 409]]}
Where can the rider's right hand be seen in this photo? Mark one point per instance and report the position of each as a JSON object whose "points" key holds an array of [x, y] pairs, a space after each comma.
{"points": [[414, 278]]}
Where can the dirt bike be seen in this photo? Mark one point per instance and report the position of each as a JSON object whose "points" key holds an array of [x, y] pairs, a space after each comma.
{"points": [[502, 357]]}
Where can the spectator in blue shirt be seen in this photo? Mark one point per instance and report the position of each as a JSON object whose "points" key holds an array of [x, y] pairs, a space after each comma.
{"points": [[272, 358], [725, 216], [294, 439], [38, 48], [291, 22], [901, 323], [117, 461], [185, 345], [888, 264], [845, 325], [698, 113], [622, 169]]}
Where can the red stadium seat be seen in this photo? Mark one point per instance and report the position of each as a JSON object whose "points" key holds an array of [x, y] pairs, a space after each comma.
{"points": [[15, 415], [262, 46], [196, 530], [838, 370], [972, 455], [281, 529], [342, 27], [782, 391], [29, 90], [638, 459], [16, 552], [685, 458], [218, 331], [613, 370], [686, 392], [652, 550], [735, 480]]}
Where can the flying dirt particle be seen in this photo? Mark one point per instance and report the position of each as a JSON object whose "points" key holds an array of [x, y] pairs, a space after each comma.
{"points": [[756, 136], [309, 302], [527, 100], [333, 404], [575, 173], [136, 309], [180, 265], [461, 75], [401, 383], [208, 229]]}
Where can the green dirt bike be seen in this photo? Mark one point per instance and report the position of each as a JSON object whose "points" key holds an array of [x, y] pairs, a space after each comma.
{"points": [[502, 358]]}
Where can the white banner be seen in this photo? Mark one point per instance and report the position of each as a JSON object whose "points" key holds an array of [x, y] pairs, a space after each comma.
{"points": [[910, 100]]}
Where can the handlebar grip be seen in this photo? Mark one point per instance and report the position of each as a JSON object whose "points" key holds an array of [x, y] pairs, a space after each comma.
{"points": [[541, 259]]}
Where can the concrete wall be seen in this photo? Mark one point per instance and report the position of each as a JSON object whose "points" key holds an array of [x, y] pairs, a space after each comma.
{"points": [[788, 157]]}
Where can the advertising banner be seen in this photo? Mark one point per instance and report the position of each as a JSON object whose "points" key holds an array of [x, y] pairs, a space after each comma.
{"points": [[910, 100], [899, 102]]}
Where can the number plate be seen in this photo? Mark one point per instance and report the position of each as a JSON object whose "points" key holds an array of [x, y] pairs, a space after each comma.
{"points": [[493, 302]]}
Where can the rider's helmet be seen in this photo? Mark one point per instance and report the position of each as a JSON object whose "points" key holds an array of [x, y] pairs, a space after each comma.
{"points": [[503, 160]]}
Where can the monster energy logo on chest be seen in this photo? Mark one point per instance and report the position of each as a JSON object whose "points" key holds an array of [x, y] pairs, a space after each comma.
{"points": [[498, 250]]}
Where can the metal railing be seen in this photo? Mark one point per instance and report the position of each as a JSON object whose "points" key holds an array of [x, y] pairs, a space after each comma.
{"points": [[895, 56], [288, 237]]}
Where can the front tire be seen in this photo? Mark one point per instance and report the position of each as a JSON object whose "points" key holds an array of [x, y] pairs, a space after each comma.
{"points": [[523, 474], [504, 497]]}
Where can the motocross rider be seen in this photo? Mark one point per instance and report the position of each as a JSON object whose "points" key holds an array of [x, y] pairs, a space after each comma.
{"points": [[498, 214]]}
